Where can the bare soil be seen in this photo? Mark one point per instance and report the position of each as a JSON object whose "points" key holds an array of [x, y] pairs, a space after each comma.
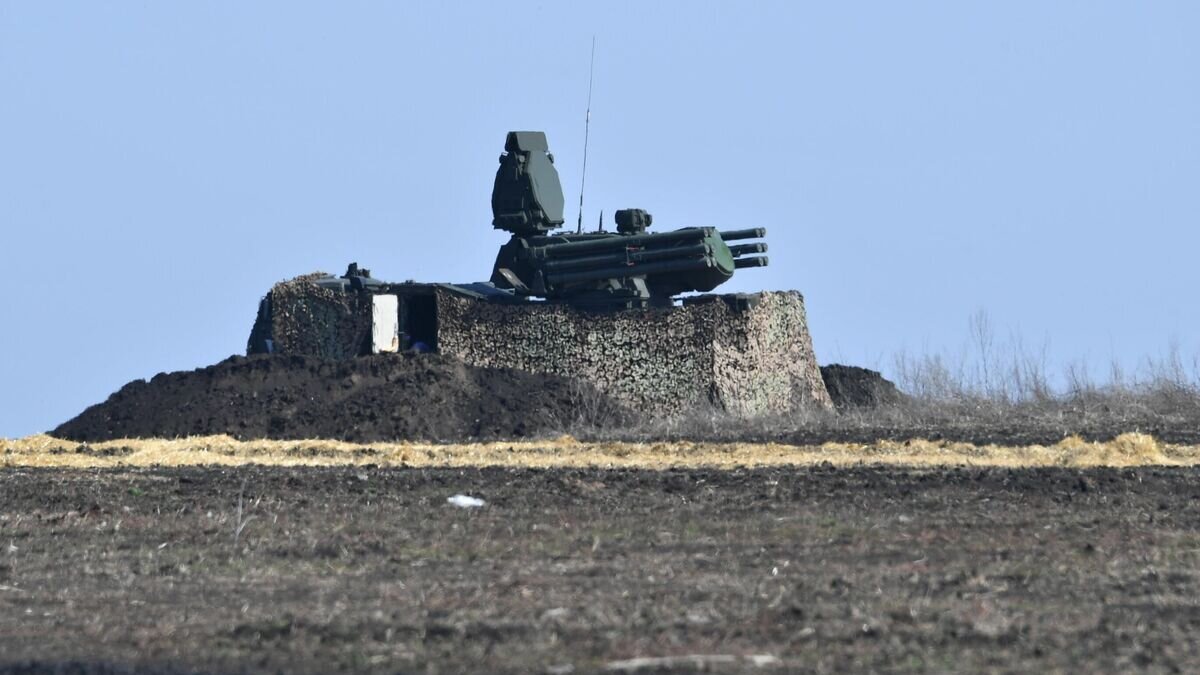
{"points": [[363, 569], [429, 397], [855, 387], [370, 398]]}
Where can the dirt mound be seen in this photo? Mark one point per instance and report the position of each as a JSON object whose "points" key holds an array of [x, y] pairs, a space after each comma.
{"points": [[854, 387], [373, 398]]}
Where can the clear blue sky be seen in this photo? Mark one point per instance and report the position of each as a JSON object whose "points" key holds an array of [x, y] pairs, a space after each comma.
{"points": [[162, 164]]}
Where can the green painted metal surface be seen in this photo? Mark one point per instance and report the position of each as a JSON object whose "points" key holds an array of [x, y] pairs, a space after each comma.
{"points": [[599, 270]]}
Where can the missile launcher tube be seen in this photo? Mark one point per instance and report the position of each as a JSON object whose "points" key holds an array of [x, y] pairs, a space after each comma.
{"points": [[617, 242], [664, 267], [626, 258]]}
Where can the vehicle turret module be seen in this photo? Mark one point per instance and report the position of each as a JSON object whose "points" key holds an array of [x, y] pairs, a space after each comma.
{"points": [[599, 270], [626, 310]]}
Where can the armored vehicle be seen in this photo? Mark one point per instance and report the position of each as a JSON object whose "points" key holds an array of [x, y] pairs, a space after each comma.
{"points": [[627, 310]]}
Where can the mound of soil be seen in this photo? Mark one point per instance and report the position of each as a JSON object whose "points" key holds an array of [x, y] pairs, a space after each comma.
{"points": [[854, 387], [373, 398]]}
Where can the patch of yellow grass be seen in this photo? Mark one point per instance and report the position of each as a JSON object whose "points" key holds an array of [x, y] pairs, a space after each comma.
{"points": [[1131, 449]]}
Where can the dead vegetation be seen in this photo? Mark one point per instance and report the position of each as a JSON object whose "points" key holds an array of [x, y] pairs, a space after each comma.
{"points": [[1130, 449], [990, 391]]}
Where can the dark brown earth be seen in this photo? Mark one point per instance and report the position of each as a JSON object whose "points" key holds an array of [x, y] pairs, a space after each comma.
{"points": [[854, 387], [825, 570], [371, 398], [431, 397]]}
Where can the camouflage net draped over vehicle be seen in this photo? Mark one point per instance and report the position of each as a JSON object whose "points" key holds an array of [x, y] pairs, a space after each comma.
{"points": [[300, 317], [749, 360], [748, 354]]}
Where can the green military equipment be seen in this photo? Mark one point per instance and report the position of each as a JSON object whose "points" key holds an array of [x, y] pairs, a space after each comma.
{"points": [[527, 197], [599, 270]]}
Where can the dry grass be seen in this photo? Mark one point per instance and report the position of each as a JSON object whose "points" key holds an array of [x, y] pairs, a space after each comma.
{"points": [[1131, 449]]}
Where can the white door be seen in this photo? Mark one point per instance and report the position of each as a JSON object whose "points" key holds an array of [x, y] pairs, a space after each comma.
{"points": [[385, 324]]}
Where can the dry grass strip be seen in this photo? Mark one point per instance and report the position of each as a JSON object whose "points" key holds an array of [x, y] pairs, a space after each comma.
{"points": [[1132, 449]]}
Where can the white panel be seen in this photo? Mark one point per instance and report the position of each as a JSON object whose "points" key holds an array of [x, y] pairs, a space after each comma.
{"points": [[385, 324]]}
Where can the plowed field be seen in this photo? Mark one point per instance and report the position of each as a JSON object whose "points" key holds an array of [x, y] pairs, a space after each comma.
{"points": [[777, 568]]}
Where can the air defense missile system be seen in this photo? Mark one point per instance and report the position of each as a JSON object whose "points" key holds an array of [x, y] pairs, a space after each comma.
{"points": [[628, 268], [629, 310]]}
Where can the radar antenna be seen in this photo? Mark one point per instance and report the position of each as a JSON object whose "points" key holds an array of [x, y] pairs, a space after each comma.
{"points": [[587, 123]]}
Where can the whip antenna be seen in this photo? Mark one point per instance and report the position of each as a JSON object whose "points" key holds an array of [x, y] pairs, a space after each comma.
{"points": [[587, 123]]}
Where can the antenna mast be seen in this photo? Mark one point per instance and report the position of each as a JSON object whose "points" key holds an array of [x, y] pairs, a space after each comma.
{"points": [[587, 123]]}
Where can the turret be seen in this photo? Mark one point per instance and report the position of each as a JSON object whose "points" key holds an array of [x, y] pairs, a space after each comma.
{"points": [[599, 270]]}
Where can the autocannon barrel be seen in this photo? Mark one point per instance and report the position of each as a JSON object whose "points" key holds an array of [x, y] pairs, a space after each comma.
{"points": [[743, 249], [743, 263], [626, 257], [752, 233]]}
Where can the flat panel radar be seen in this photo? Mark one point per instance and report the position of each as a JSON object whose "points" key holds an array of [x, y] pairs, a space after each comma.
{"points": [[527, 197]]}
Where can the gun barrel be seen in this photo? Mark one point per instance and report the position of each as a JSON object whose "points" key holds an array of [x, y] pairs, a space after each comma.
{"points": [[743, 249], [752, 233], [743, 263]]}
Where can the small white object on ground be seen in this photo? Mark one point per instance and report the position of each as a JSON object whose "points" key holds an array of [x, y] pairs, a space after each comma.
{"points": [[465, 501], [691, 661]]}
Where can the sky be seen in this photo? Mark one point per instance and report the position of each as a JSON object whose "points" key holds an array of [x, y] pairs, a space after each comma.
{"points": [[162, 164]]}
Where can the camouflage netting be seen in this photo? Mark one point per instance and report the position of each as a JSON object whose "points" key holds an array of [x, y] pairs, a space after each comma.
{"points": [[302, 318], [749, 354], [751, 361]]}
